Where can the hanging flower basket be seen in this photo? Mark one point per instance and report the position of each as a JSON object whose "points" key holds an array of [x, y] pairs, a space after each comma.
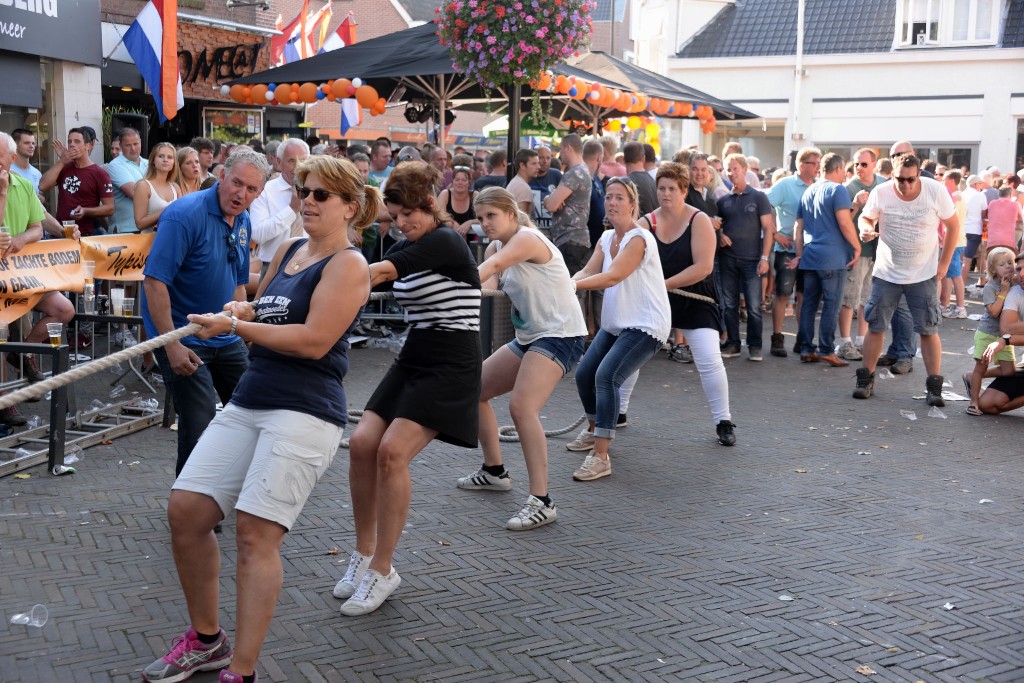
{"points": [[502, 42]]}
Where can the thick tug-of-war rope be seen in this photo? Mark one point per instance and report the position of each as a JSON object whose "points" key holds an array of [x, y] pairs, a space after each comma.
{"points": [[506, 433]]}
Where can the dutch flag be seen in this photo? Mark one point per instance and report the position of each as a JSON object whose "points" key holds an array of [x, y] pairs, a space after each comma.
{"points": [[152, 41]]}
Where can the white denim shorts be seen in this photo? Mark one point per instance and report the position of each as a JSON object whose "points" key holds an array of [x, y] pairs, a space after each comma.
{"points": [[263, 462]]}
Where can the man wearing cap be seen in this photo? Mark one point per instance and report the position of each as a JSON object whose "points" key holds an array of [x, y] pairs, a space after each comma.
{"points": [[908, 264], [1007, 393], [84, 190]]}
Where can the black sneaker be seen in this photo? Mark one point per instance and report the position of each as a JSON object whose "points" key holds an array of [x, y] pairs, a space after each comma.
{"points": [[726, 436], [778, 345], [622, 421], [12, 418], [865, 384], [933, 387], [885, 361], [730, 350]]}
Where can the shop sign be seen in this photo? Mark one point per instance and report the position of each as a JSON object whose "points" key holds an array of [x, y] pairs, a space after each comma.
{"points": [[217, 64], [59, 29]]}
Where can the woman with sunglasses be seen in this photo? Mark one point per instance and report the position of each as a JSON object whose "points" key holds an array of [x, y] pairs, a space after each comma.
{"points": [[262, 454], [550, 335], [457, 200], [635, 319], [158, 188], [431, 391], [686, 243]]}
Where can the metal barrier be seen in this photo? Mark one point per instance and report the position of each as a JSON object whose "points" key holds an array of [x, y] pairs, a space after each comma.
{"points": [[58, 407]]}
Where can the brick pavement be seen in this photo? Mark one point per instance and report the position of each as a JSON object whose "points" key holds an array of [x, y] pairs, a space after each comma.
{"points": [[669, 570]]}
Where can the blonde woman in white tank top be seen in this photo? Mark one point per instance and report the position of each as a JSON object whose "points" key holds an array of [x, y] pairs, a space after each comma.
{"points": [[550, 337], [158, 188]]}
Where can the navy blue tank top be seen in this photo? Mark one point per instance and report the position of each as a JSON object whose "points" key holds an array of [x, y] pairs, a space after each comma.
{"points": [[275, 381]]}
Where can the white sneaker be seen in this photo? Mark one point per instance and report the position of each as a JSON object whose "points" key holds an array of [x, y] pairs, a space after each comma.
{"points": [[482, 481], [947, 312], [373, 590], [592, 468], [959, 312], [849, 351], [534, 514], [584, 441], [125, 339], [357, 566]]}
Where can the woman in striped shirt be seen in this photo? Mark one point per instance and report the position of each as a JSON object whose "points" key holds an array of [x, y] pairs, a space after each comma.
{"points": [[431, 391]]}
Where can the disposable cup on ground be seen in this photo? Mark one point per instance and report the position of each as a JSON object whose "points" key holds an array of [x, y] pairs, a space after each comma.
{"points": [[36, 616]]}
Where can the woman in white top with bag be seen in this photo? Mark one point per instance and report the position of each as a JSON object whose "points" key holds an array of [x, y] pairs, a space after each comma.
{"points": [[158, 188], [635, 319], [550, 337]]}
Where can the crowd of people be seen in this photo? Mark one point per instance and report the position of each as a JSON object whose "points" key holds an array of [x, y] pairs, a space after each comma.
{"points": [[607, 256]]}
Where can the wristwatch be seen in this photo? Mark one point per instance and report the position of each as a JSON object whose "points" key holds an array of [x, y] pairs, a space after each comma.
{"points": [[1006, 338]]}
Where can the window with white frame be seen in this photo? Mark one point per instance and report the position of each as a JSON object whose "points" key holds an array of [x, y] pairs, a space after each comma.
{"points": [[936, 23]]}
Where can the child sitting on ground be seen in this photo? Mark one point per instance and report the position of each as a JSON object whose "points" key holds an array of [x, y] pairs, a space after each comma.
{"points": [[1000, 263]]}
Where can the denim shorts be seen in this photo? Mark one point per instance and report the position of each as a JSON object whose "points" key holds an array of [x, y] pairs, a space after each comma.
{"points": [[786, 279], [973, 242], [858, 283], [922, 299], [264, 462], [566, 351], [956, 266]]}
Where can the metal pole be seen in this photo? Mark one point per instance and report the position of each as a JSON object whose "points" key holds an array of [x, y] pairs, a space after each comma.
{"points": [[513, 128], [611, 50], [58, 410]]}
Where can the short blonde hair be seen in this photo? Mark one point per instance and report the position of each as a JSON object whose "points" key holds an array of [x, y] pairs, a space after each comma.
{"points": [[738, 158], [993, 256]]}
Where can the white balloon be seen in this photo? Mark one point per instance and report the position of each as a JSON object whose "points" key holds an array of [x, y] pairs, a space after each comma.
{"points": [[356, 82], [270, 95], [225, 90]]}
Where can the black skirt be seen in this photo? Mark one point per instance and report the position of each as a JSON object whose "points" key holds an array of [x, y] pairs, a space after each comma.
{"points": [[435, 382]]}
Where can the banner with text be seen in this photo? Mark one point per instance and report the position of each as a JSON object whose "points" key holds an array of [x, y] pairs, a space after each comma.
{"points": [[56, 266], [118, 257]]}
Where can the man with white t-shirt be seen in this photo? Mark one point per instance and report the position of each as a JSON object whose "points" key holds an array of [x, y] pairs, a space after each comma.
{"points": [[905, 212], [974, 221]]}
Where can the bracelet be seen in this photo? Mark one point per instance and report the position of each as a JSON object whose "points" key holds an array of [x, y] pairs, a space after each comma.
{"points": [[1000, 296], [764, 258], [234, 325]]}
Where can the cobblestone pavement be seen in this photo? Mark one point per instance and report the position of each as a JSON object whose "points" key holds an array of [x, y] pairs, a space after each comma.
{"points": [[897, 540]]}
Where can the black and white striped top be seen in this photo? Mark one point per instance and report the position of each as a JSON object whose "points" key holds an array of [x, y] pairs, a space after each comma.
{"points": [[438, 283]]}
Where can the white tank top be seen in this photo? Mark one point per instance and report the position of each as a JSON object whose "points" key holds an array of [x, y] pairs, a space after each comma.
{"points": [[543, 301], [156, 202], [640, 301]]}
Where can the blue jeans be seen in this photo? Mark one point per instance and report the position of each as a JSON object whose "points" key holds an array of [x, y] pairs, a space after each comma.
{"points": [[195, 397], [821, 285], [740, 275], [606, 364], [904, 340]]}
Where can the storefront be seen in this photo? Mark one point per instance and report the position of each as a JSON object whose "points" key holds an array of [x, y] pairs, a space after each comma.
{"points": [[49, 69], [210, 53]]}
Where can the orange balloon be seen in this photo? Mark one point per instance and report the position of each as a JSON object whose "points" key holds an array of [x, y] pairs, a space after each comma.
{"points": [[684, 109], [283, 93], [366, 95], [340, 88], [561, 85], [237, 93], [326, 87], [307, 93], [545, 81], [258, 93]]}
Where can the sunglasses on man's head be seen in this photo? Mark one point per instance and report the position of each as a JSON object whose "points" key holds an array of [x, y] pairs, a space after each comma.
{"points": [[319, 194]]}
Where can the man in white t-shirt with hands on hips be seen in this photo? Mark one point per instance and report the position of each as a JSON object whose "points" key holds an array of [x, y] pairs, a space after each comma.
{"points": [[906, 212]]}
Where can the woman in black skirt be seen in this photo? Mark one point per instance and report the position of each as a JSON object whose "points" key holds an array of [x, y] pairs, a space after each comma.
{"points": [[431, 391]]}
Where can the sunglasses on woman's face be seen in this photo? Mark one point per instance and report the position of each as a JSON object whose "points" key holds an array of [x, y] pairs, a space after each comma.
{"points": [[319, 194]]}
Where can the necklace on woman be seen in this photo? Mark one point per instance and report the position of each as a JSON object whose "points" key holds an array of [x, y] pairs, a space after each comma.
{"points": [[298, 264]]}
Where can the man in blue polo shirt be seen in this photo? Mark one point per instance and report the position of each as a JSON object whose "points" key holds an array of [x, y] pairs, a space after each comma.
{"points": [[199, 261], [785, 197], [125, 171], [744, 242], [827, 246]]}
